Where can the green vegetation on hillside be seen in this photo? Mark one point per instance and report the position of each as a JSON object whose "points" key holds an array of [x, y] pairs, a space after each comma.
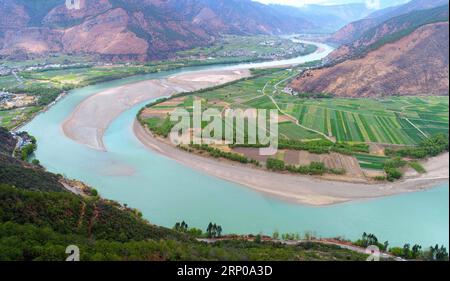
{"points": [[28, 242], [69, 214], [416, 252], [39, 219], [404, 25]]}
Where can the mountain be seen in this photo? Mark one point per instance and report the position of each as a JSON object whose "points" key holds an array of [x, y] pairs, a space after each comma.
{"points": [[328, 18], [413, 64], [133, 29], [354, 30], [389, 31]]}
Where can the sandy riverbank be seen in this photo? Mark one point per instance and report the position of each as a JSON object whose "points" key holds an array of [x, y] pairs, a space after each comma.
{"points": [[89, 121], [294, 188]]}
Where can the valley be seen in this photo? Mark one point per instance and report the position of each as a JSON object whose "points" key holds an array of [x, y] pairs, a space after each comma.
{"points": [[47, 80]]}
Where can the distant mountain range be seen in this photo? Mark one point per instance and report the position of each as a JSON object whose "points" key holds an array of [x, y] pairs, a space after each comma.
{"points": [[355, 30], [327, 19], [151, 29], [133, 29], [406, 54]]}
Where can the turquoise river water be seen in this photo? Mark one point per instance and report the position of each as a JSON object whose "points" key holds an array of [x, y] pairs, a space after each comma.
{"points": [[167, 192]]}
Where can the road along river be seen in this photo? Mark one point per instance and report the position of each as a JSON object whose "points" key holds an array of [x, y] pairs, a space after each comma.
{"points": [[167, 192]]}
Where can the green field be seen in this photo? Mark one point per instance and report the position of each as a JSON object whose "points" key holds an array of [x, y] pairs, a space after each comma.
{"points": [[232, 48], [401, 121], [12, 118], [371, 161], [393, 120]]}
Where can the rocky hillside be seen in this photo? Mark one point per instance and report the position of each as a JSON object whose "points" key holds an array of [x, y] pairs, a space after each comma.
{"points": [[329, 18], [415, 64], [389, 31], [132, 29], [7, 143], [355, 30]]}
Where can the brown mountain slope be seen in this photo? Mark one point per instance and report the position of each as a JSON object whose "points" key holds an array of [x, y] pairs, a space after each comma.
{"points": [[105, 34], [389, 31], [414, 65], [132, 29]]}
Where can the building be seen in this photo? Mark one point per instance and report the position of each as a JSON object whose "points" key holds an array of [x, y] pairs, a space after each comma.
{"points": [[5, 97]]}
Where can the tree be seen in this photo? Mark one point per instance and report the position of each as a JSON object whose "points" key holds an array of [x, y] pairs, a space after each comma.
{"points": [[416, 250], [181, 227], [407, 251], [276, 235], [219, 231], [438, 254], [214, 230], [209, 230]]}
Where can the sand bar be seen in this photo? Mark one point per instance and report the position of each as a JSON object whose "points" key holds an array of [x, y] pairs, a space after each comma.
{"points": [[89, 121]]}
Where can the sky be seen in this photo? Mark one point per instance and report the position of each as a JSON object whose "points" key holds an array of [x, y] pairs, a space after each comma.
{"points": [[373, 4]]}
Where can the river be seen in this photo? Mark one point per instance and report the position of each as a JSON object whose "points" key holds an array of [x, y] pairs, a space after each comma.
{"points": [[167, 192]]}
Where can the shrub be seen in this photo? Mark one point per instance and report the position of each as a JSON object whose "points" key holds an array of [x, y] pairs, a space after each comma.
{"points": [[418, 167], [429, 147], [275, 164], [393, 174]]}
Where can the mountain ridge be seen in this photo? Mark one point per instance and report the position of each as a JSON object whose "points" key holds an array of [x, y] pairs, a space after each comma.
{"points": [[131, 29], [389, 31], [416, 64], [354, 30]]}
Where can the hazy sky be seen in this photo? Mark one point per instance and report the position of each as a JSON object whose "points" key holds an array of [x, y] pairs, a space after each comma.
{"points": [[374, 4]]}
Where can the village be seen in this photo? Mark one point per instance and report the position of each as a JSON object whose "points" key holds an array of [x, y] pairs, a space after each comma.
{"points": [[10, 100]]}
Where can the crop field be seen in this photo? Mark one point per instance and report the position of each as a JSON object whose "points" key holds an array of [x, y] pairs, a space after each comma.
{"points": [[394, 120], [14, 117], [307, 120], [371, 161], [248, 48]]}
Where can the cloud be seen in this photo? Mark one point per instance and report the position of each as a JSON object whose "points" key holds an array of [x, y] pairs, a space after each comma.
{"points": [[373, 4]]}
